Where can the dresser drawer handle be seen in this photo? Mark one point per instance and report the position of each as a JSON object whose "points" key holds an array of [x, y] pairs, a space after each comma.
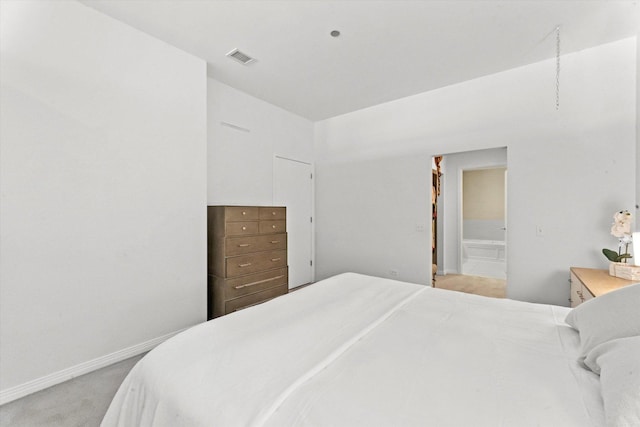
{"points": [[273, 213], [258, 282], [275, 241], [244, 245], [273, 226], [244, 228], [244, 213], [275, 259], [244, 265]]}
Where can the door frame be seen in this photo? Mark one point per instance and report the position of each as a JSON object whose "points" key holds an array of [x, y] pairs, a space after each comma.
{"points": [[460, 230]]}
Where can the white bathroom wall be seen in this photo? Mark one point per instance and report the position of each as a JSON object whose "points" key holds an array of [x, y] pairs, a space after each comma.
{"points": [[103, 192], [483, 194], [244, 135], [566, 167], [483, 229]]}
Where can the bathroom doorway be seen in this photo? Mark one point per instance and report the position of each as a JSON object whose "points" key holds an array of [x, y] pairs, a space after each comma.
{"points": [[451, 255], [484, 222]]}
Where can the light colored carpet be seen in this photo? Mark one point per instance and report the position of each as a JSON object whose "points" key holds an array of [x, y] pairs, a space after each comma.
{"points": [[80, 402], [485, 286]]}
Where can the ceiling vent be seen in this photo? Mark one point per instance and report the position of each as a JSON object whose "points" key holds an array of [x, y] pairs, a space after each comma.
{"points": [[242, 58]]}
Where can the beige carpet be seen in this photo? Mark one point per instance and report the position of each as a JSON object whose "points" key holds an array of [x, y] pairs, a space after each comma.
{"points": [[486, 286], [80, 402]]}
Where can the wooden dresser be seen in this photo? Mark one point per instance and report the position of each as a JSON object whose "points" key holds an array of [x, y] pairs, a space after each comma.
{"points": [[247, 256], [587, 283]]}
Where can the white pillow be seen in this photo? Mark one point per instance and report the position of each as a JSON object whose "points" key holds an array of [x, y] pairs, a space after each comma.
{"points": [[610, 316], [618, 363]]}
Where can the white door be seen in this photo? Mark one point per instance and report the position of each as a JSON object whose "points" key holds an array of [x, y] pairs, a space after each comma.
{"points": [[292, 187]]}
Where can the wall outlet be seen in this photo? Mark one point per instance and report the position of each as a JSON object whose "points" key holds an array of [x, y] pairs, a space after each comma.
{"points": [[393, 273], [421, 228]]}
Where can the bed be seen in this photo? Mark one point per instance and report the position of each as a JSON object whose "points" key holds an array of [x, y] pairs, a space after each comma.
{"points": [[355, 350]]}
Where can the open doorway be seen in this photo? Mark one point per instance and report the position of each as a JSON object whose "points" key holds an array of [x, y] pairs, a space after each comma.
{"points": [[484, 223], [458, 258]]}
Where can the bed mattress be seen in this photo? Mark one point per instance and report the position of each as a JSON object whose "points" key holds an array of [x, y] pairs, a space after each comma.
{"points": [[356, 350]]}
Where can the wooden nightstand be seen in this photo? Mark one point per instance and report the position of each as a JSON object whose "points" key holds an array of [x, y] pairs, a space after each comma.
{"points": [[587, 283]]}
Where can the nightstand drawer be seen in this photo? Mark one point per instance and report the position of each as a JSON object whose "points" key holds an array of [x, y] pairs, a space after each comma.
{"points": [[586, 295], [244, 245], [575, 291], [253, 299], [252, 263], [244, 285]]}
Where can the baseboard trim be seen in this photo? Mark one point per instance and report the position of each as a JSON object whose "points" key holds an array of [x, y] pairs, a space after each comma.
{"points": [[25, 389]]}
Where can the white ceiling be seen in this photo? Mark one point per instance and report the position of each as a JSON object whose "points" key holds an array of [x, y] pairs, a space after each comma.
{"points": [[387, 49]]}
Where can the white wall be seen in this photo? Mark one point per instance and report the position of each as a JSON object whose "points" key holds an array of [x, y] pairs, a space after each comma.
{"points": [[568, 169], [367, 214], [103, 175], [240, 161]]}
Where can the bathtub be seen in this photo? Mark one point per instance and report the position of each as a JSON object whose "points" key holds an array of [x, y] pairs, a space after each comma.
{"points": [[484, 258], [483, 249]]}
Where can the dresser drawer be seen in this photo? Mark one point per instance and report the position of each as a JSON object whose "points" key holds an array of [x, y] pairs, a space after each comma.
{"points": [[242, 228], [251, 283], [253, 299], [241, 213], [278, 226], [253, 263], [245, 245], [273, 213]]}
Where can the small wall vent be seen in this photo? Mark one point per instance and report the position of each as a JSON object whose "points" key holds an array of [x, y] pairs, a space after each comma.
{"points": [[242, 58]]}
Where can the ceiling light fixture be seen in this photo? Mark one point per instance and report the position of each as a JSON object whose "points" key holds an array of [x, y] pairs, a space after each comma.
{"points": [[335, 33]]}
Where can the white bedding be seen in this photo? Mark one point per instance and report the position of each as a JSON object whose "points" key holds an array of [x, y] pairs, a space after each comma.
{"points": [[355, 350]]}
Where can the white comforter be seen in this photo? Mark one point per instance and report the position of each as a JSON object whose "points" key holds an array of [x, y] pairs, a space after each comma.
{"points": [[356, 350]]}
